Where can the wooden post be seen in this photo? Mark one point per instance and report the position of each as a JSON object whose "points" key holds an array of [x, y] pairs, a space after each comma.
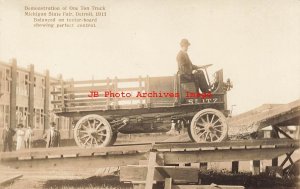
{"points": [[138, 186], [147, 85], [168, 183], [13, 93], [179, 89], [108, 98], [275, 161], [255, 167], [31, 95], [203, 166], [71, 97], [176, 89], [235, 167], [46, 101], [274, 134], [115, 100], [151, 169], [140, 89]]}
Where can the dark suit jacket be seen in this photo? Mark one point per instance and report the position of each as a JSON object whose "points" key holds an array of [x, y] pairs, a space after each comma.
{"points": [[185, 65], [7, 136], [54, 140]]}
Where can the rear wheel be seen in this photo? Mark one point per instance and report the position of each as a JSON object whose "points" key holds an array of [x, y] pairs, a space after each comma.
{"points": [[93, 131], [208, 125]]}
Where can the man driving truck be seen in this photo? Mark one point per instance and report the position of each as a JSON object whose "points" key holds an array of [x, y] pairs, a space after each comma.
{"points": [[189, 71]]}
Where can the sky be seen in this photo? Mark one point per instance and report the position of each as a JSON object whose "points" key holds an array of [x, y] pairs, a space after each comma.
{"points": [[256, 43]]}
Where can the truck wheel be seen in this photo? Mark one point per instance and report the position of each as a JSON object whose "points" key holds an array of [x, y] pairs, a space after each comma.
{"points": [[93, 131], [113, 138], [208, 125]]}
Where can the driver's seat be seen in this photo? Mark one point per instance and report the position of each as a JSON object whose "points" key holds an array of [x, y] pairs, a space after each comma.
{"points": [[185, 84]]}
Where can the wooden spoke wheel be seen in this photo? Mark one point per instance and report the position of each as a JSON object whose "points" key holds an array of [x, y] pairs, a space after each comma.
{"points": [[208, 125], [93, 131]]}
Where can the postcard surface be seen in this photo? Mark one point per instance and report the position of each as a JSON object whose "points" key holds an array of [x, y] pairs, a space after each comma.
{"points": [[94, 91]]}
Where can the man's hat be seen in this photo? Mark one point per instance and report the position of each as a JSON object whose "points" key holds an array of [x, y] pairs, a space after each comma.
{"points": [[184, 42], [52, 123]]}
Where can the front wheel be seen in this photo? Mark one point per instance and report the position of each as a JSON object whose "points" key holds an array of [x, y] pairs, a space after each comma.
{"points": [[93, 131], [208, 125]]}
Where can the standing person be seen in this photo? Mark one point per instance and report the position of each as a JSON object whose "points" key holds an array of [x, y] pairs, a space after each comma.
{"points": [[188, 70], [20, 136], [7, 138], [52, 136], [28, 137]]}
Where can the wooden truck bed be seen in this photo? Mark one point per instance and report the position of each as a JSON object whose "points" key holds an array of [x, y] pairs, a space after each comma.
{"points": [[131, 93]]}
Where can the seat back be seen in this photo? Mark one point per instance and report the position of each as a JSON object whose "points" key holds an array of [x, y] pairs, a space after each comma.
{"points": [[185, 84]]}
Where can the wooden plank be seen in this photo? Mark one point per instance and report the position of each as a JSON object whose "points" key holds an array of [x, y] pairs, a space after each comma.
{"points": [[130, 89], [86, 89], [236, 143], [138, 186], [86, 102], [140, 89], [151, 168], [79, 96], [224, 155], [56, 93], [10, 179], [97, 81], [275, 161], [147, 90], [90, 99], [176, 90], [203, 166], [130, 79], [115, 89], [35, 152], [212, 186], [88, 107], [178, 174], [147, 147], [76, 164], [79, 82], [129, 106], [168, 183], [104, 99], [235, 167], [107, 99], [255, 167]]}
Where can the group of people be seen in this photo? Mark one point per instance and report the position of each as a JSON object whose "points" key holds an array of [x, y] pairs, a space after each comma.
{"points": [[24, 137]]}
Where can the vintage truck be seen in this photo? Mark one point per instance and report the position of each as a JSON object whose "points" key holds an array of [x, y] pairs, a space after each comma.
{"points": [[104, 108]]}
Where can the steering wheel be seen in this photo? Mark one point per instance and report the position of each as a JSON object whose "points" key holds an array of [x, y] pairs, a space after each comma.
{"points": [[204, 66]]}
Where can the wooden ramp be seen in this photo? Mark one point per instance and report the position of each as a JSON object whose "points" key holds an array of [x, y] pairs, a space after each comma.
{"points": [[263, 116], [148, 163]]}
